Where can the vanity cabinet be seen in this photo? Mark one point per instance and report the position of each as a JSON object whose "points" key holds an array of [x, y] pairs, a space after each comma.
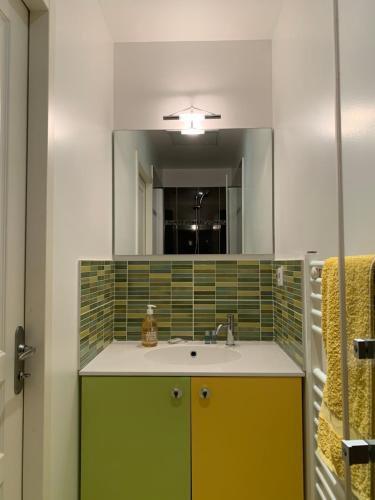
{"points": [[247, 438], [135, 438], [213, 438]]}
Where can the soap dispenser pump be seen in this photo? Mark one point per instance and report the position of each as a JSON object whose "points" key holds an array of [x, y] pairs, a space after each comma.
{"points": [[150, 328]]}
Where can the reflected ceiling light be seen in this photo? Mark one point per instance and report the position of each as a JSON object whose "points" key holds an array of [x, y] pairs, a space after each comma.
{"points": [[192, 131], [193, 118]]}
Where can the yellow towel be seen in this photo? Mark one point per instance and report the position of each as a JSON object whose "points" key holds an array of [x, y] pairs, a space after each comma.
{"points": [[359, 272]]}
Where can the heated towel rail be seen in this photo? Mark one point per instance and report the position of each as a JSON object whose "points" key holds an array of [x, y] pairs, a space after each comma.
{"points": [[322, 484]]}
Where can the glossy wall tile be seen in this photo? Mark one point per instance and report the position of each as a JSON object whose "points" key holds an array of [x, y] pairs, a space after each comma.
{"points": [[191, 298], [96, 308], [195, 296], [288, 309]]}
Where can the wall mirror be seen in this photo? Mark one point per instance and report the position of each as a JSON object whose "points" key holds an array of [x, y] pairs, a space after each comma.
{"points": [[178, 194]]}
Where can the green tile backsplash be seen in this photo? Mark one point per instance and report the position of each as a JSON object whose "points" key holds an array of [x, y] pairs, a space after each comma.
{"points": [[288, 309], [96, 308], [194, 296], [191, 297]]}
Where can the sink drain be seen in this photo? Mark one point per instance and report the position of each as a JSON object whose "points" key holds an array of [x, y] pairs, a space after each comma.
{"points": [[193, 354]]}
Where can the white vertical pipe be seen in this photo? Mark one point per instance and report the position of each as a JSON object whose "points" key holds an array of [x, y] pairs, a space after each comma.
{"points": [[341, 257]]}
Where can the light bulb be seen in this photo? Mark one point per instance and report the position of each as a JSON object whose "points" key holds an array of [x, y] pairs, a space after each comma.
{"points": [[191, 117]]}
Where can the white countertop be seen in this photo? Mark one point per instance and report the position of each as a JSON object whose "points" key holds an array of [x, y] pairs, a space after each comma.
{"points": [[257, 359]]}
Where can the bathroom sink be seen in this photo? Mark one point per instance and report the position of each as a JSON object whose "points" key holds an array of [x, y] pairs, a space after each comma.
{"points": [[193, 354]]}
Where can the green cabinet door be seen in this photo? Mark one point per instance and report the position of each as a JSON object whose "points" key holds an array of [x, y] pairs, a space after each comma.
{"points": [[135, 439]]}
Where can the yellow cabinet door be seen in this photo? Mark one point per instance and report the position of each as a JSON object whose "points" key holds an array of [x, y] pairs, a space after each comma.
{"points": [[247, 439]]}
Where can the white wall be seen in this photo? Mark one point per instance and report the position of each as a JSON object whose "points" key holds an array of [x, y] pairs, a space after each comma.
{"points": [[195, 20], [80, 211], [358, 106], [196, 177], [130, 148], [305, 157], [156, 79], [257, 210]]}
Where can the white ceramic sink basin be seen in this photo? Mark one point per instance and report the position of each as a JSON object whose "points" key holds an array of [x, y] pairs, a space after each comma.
{"points": [[260, 359], [193, 354]]}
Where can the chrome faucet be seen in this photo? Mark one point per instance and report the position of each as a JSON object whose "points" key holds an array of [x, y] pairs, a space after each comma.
{"points": [[229, 325]]}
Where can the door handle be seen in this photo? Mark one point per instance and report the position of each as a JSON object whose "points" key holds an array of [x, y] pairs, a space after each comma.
{"points": [[25, 352], [22, 352]]}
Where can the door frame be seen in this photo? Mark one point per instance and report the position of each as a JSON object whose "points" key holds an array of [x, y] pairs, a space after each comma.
{"points": [[147, 178], [37, 294], [141, 217], [14, 68]]}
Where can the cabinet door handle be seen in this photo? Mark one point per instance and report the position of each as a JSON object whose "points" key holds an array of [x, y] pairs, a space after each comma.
{"points": [[205, 393], [176, 393]]}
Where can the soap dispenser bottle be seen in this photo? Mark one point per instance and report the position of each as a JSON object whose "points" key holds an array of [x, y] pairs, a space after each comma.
{"points": [[150, 328]]}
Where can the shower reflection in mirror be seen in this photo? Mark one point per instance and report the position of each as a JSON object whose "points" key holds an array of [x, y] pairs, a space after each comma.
{"points": [[178, 195], [196, 227]]}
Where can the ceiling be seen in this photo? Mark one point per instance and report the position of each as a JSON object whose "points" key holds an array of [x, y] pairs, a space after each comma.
{"points": [[190, 20]]}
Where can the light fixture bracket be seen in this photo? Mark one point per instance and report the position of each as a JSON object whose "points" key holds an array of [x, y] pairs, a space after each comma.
{"points": [[207, 115]]}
